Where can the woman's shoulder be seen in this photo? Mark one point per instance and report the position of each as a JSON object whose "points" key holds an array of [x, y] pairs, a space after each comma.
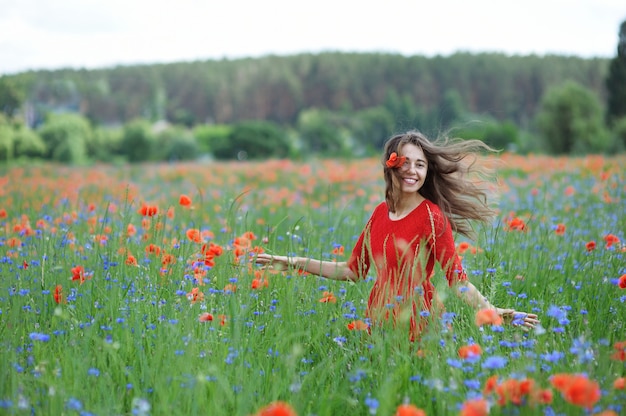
{"points": [[434, 210]]}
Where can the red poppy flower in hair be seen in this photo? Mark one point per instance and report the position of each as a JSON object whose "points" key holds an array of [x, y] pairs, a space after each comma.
{"points": [[395, 161]]}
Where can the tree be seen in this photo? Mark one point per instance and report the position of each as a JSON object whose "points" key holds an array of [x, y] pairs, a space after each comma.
{"points": [[11, 95], [616, 80], [66, 136], [570, 120]]}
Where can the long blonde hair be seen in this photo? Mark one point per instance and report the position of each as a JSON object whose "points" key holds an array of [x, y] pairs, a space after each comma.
{"points": [[448, 184]]}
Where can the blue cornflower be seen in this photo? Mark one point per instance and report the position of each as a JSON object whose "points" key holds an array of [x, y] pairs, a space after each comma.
{"points": [[372, 404], [553, 357], [453, 362], [93, 372], [73, 404], [36, 336], [494, 362]]}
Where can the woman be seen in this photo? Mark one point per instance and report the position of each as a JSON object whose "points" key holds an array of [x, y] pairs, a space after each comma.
{"points": [[428, 196]]}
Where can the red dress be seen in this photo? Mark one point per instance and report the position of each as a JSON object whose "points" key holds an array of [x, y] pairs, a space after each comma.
{"points": [[404, 253]]}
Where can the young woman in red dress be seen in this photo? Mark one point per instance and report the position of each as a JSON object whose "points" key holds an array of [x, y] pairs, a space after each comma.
{"points": [[428, 196]]}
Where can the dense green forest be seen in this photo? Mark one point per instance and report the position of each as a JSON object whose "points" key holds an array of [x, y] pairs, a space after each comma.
{"points": [[326, 104]]}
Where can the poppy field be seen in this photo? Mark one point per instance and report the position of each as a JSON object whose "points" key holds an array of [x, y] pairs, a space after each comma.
{"points": [[133, 290]]}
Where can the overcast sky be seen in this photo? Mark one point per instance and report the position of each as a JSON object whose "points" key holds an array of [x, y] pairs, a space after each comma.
{"points": [[52, 34]]}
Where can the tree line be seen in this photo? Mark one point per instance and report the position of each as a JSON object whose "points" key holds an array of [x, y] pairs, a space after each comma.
{"points": [[326, 104]]}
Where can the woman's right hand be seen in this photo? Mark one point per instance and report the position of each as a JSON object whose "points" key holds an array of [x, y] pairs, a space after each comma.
{"points": [[273, 261]]}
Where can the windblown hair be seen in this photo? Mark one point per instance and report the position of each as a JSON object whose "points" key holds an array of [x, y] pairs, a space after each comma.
{"points": [[448, 184]]}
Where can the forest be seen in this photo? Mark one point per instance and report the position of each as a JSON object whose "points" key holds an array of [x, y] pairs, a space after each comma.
{"points": [[326, 104]]}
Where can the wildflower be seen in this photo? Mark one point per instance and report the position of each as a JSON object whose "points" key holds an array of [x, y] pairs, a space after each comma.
{"points": [[131, 260], [577, 389], [511, 390], [131, 230], [494, 362], [184, 200], [620, 351], [148, 210], [622, 281], [338, 251], [560, 229], [328, 297], [611, 239], [277, 408], [25, 265], [475, 407], [470, 351], [516, 224], [36, 336], [409, 410], [488, 316], [490, 385], [78, 273], [259, 282], [193, 234], [394, 161], [590, 246], [358, 325], [195, 295], [619, 383], [58, 294], [463, 247], [205, 317]]}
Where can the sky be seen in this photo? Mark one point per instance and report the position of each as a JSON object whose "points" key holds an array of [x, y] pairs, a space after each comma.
{"points": [[54, 34]]}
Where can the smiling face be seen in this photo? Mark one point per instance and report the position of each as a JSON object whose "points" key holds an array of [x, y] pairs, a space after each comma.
{"points": [[411, 175]]}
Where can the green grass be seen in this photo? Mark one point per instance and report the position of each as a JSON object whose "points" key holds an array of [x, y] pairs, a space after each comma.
{"points": [[128, 340]]}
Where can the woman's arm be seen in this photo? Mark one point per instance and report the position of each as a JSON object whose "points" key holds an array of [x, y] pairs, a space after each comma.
{"points": [[468, 292], [329, 269]]}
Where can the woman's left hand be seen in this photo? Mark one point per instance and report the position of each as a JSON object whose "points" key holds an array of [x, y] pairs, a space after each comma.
{"points": [[513, 317]]}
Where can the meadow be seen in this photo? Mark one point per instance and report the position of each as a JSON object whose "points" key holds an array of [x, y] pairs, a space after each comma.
{"points": [[133, 291]]}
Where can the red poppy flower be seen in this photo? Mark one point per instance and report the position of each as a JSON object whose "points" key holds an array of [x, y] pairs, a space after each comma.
{"points": [[184, 200], [58, 294], [277, 409], [468, 351], [488, 317], [577, 389], [409, 410], [338, 251], [611, 239], [205, 317], [590, 246], [619, 383], [131, 260], [516, 224], [195, 295], [148, 210], [475, 407], [395, 161], [560, 229], [358, 325], [258, 283], [328, 297], [622, 281], [78, 273], [620, 351], [193, 234]]}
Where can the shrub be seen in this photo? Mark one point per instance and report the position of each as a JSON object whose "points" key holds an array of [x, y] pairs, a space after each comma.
{"points": [[253, 140], [66, 136]]}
